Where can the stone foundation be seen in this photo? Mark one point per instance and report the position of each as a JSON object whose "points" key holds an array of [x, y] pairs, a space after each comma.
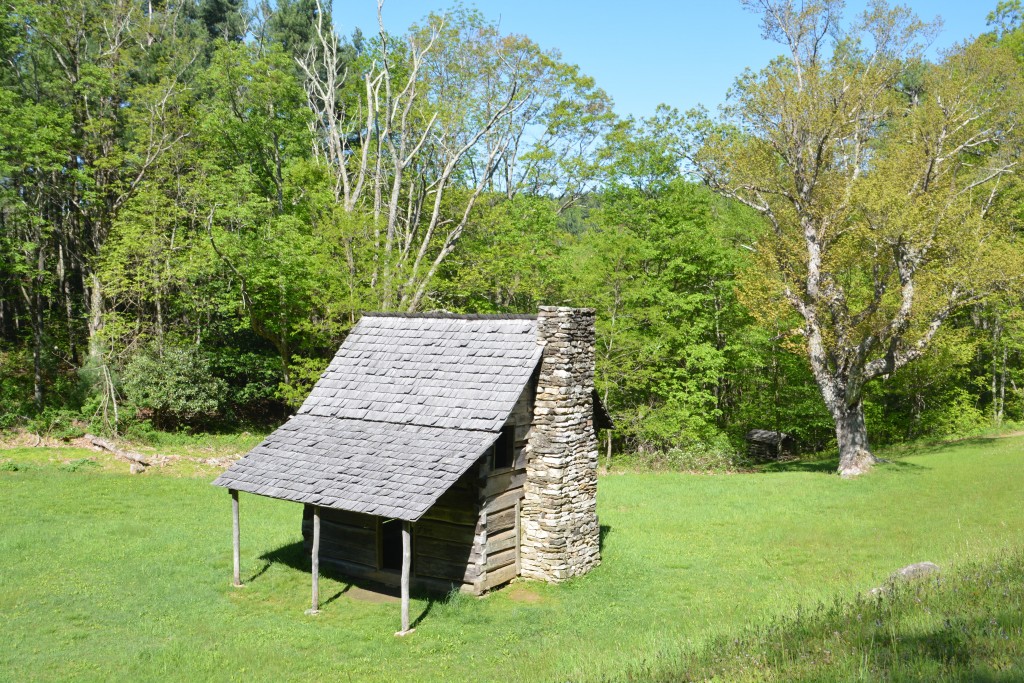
{"points": [[560, 533]]}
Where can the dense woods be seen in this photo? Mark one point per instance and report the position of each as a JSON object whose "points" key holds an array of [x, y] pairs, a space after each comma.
{"points": [[198, 199]]}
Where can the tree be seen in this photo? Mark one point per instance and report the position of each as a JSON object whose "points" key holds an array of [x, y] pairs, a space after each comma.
{"points": [[426, 124], [883, 178], [224, 18]]}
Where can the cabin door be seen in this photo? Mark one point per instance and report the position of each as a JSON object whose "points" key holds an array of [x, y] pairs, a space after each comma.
{"points": [[391, 544]]}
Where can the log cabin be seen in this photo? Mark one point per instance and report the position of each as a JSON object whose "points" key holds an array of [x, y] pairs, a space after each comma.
{"points": [[441, 450]]}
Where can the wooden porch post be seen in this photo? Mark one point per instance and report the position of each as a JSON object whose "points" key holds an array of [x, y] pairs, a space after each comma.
{"points": [[406, 566], [235, 537], [315, 609]]}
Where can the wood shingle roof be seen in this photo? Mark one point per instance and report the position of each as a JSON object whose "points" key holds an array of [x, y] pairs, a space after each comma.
{"points": [[406, 406]]}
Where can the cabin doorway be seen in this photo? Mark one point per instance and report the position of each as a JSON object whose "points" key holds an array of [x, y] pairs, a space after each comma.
{"points": [[391, 544]]}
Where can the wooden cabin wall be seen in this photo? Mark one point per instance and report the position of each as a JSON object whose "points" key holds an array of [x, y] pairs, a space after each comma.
{"points": [[444, 539], [501, 492], [444, 545], [348, 540]]}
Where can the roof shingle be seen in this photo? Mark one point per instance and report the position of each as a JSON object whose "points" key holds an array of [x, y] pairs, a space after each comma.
{"points": [[406, 406]]}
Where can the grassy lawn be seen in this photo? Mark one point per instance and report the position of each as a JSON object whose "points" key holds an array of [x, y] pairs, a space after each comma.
{"points": [[111, 576]]}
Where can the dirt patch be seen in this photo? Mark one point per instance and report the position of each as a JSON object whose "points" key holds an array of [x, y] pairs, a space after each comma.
{"points": [[524, 594], [364, 595]]}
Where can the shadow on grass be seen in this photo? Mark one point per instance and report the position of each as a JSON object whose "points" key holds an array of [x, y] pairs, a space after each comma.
{"points": [[830, 465], [295, 556], [799, 465], [604, 531], [934, 447], [957, 647]]}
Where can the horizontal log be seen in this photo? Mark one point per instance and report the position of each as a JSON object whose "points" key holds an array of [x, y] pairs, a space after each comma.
{"points": [[461, 497], [502, 559], [499, 576], [500, 521], [356, 519], [455, 515], [503, 501], [329, 547], [349, 518], [499, 483], [329, 527], [361, 557], [442, 569], [444, 550], [502, 541], [457, 533], [109, 446], [392, 578]]}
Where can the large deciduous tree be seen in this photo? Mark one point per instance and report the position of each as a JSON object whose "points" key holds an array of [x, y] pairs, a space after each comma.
{"points": [[883, 178], [422, 126]]}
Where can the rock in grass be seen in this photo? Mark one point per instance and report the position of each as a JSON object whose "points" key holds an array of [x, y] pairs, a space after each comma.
{"points": [[911, 572], [915, 571]]}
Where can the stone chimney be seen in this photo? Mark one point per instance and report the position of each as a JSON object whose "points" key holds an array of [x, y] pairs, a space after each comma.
{"points": [[560, 534]]}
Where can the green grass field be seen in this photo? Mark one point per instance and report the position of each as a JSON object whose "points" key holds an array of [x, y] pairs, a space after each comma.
{"points": [[109, 576]]}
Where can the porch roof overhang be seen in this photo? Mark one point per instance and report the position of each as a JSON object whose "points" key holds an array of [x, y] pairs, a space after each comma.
{"points": [[377, 468]]}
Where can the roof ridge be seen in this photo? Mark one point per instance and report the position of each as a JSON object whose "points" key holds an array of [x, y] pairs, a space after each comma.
{"points": [[453, 316]]}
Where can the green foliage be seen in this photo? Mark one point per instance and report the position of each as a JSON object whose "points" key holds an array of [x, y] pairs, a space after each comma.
{"points": [[303, 372], [59, 423], [173, 385], [878, 235], [252, 375], [187, 184], [224, 19], [509, 259], [15, 388], [698, 456], [660, 267], [1008, 22]]}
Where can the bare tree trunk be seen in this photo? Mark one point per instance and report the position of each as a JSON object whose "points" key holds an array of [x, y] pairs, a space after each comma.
{"points": [[608, 436], [64, 284], [852, 435], [1002, 389], [95, 321], [37, 322]]}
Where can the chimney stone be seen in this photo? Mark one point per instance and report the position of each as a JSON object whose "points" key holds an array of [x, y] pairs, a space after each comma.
{"points": [[560, 532]]}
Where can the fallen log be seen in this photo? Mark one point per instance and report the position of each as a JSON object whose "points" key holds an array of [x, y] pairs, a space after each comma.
{"points": [[137, 459]]}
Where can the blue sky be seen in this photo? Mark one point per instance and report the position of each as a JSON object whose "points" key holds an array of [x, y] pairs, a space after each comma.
{"points": [[643, 53]]}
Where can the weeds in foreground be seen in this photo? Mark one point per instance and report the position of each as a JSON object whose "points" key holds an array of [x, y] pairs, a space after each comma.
{"points": [[965, 627]]}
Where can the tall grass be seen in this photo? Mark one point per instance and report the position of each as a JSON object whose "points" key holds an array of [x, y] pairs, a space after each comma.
{"points": [[968, 626]]}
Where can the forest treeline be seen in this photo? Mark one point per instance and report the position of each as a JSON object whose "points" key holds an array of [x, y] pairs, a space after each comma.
{"points": [[199, 198]]}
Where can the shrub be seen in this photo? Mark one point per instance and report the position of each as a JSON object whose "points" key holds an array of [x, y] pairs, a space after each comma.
{"points": [[696, 456], [15, 388], [304, 372], [60, 423], [174, 387], [78, 464]]}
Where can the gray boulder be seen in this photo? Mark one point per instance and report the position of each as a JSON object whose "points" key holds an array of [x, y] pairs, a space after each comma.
{"points": [[911, 572]]}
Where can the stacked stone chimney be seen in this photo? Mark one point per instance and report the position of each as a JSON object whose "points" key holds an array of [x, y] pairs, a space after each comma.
{"points": [[560, 533]]}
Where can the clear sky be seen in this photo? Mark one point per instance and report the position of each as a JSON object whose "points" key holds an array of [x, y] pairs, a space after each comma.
{"points": [[643, 53]]}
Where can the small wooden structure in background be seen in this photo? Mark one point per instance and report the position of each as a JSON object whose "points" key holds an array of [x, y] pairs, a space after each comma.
{"points": [[763, 444], [410, 456]]}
